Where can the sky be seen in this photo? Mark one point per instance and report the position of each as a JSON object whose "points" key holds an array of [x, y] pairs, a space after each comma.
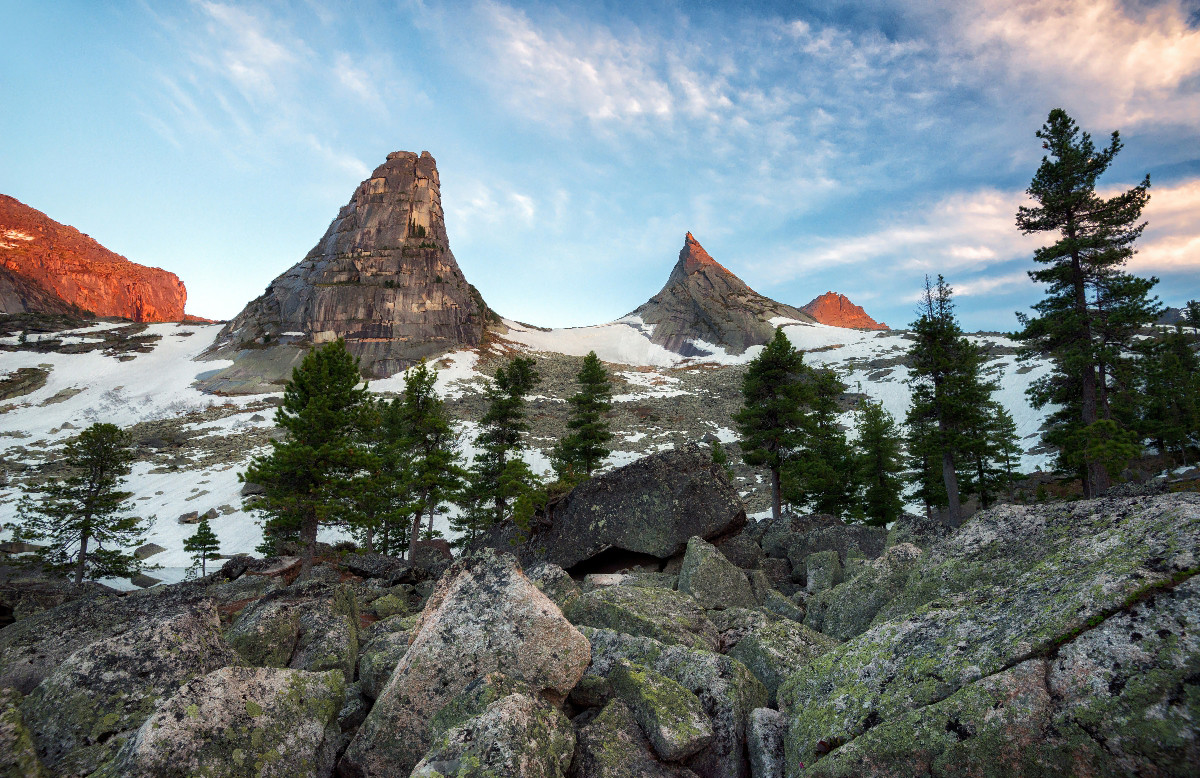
{"points": [[844, 146]]}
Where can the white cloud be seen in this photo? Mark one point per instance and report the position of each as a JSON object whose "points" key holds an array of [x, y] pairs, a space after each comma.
{"points": [[249, 56], [357, 80], [1171, 242]]}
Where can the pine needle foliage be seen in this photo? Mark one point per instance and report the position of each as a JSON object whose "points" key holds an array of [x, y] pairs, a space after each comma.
{"points": [[82, 518], [202, 545], [879, 464], [585, 446]]}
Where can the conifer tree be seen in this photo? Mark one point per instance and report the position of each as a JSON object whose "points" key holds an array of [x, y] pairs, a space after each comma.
{"points": [[499, 476], [992, 455], [1091, 308], [585, 445], [879, 464], [81, 518], [772, 415], [433, 473], [378, 507], [820, 470], [721, 459], [202, 545], [948, 391], [1170, 394], [307, 476]]}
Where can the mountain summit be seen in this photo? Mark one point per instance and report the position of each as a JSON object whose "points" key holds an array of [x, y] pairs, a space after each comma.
{"points": [[382, 277], [704, 305], [836, 310]]}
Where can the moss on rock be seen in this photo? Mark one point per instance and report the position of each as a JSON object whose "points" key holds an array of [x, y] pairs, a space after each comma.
{"points": [[776, 649], [662, 614], [671, 716]]}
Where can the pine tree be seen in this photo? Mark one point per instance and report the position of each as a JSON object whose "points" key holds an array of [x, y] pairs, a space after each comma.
{"points": [[772, 415], [87, 507], [819, 473], [721, 459], [499, 476], [993, 453], [308, 475], [878, 464], [433, 473], [378, 507], [1170, 394], [948, 391], [1191, 314], [585, 445], [202, 545], [924, 456], [1091, 308]]}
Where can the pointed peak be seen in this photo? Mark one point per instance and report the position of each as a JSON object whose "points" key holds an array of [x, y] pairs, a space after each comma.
{"points": [[837, 310], [693, 257]]}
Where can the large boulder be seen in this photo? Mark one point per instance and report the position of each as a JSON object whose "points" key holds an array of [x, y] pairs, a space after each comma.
{"points": [[103, 692], [612, 745], [18, 755], [663, 614], [672, 717], [515, 735], [649, 507], [378, 659], [776, 649], [712, 579], [727, 690], [483, 617], [795, 537], [239, 721], [846, 610], [315, 629], [764, 741], [1013, 642]]}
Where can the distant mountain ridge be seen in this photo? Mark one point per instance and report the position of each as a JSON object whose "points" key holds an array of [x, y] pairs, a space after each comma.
{"points": [[836, 310], [54, 268]]}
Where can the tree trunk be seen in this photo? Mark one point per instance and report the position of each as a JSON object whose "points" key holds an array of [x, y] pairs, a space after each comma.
{"points": [[81, 565], [369, 540], [412, 539], [776, 500], [308, 539], [950, 478], [1095, 478]]}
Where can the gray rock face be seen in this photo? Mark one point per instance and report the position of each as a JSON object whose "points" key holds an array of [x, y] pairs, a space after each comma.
{"points": [[382, 277], [484, 617], [712, 579], [846, 610], [649, 507], [662, 614], [764, 741], [671, 716], [314, 633], [702, 301], [795, 537], [612, 745]]}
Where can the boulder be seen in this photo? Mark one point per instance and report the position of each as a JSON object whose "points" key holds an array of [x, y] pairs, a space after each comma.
{"points": [[389, 569], [733, 624], [484, 616], [742, 550], [148, 550], [18, 755], [554, 582], [795, 537], [774, 650], [663, 614], [518, 735], [378, 659], [103, 691], [191, 517], [727, 690], [781, 606], [847, 609], [824, 571], [764, 742], [318, 631], [954, 669], [649, 507], [612, 745], [239, 721], [713, 580], [671, 716], [920, 530]]}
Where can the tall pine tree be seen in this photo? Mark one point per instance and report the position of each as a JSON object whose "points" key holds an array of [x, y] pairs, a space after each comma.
{"points": [[1091, 308], [82, 518], [308, 474], [586, 443], [819, 474], [1170, 394], [378, 507], [879, 464], [203, 546]]}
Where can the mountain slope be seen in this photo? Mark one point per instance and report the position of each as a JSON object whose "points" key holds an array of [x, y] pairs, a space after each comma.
{"points": [[704, 305], [836, 310], [74, 268]]}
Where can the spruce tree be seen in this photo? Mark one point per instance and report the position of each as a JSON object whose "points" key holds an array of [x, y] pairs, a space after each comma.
{"points": [[1091, 308], [990, 459], [309, 473], [433, 473], [879, 464], [585, 445], [202, 545], [819, 473], [498, 475], [1170, 394], [378, 507], [948, 391], [772, 415], [82, 518]]}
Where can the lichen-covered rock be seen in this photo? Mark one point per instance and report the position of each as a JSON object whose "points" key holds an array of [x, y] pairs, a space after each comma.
{"points": [[474, 700], [759, 585], [726, 688], [648, 507], [795, 537], [554, 582], [378, 659], [99, 695], [774, 650], [742, 550], [18, 756], [239, 721], [776, 603], [663, 614], [388, 569], [733, 624], [398, 601], [764, 742], [313, 628], [1014, 582], [671, 716], [515, 735], [824, 571], [484, 616], [612, 745], [847, 610], [713, 580], [920, 530], [244, 590]]}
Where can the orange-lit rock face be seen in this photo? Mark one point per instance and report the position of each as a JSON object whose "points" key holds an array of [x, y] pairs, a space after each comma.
{"points": [[72, 266], [837, 311]]}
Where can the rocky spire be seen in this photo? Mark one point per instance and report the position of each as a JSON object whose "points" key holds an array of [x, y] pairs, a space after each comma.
{"points": [[382, 277], [836, 310], [703, 302]]}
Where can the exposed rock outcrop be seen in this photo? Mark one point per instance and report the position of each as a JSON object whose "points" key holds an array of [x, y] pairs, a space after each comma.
{"points": [[836, 310], [53, 268], [382, 277], [705, 304]]}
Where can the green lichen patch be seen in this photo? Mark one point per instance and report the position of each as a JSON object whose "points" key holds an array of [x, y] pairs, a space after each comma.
{"points": [[662, 614], [18, 756], [774, 650], [671, 716]]}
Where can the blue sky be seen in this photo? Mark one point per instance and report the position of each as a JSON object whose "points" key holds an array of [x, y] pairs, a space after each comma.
{"points": [[844, 146]]}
